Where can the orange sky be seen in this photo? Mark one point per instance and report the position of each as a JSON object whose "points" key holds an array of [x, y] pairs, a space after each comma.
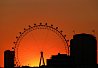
{"points": [[69, 15]]}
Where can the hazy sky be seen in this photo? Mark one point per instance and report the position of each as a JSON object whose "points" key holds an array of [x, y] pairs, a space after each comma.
{"points": [[69, 15]]}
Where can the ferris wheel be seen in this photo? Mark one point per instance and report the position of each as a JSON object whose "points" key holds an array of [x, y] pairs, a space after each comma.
{"points": [[38, 27]]}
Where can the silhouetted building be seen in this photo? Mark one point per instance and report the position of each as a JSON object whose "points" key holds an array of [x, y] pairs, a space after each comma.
{"points": [[9, 59], [83, 49], [60, 60]]}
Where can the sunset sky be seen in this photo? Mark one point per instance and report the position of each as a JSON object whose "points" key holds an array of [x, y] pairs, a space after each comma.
{"points": [[68, 15]]}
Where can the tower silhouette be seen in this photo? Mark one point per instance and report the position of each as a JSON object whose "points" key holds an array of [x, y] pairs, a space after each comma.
{"points": [[41, 63], [9, 59]]}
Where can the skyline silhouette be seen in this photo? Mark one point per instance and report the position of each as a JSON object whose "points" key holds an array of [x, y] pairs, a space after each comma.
{"points": [[70, 16], [83, 53]]}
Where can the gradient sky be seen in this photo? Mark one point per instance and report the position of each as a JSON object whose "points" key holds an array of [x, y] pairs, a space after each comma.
{"points": [[68, 15]]}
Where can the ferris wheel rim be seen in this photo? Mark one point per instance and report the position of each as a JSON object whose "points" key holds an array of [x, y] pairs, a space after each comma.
{"points": [[34, 27]]}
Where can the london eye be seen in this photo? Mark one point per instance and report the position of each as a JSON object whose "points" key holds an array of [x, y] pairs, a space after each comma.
{"points": [[36, 27]]}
